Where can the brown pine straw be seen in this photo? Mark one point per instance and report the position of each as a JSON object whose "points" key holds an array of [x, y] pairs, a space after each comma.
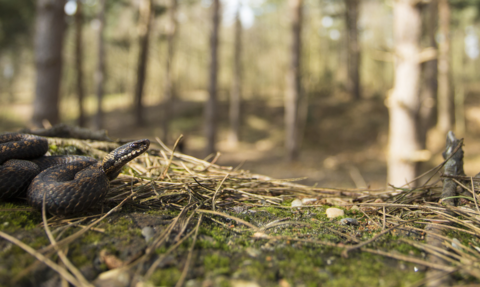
{"points": [[40, 257], [196, 188], [241, 221], [411, 260], [49, 249], [189, 257], [79, 233], [78, 275]]}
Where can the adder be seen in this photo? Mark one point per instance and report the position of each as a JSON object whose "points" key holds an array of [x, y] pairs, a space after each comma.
{"points": [[69, 184]]}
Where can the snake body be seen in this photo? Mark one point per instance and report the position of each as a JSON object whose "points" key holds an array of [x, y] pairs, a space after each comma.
{"points": [[69, 184]]}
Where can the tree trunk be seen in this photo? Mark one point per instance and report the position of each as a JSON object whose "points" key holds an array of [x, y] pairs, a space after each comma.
{"points": [[404, 101], [50, 27], [145, 23], [459, 95], [353, 46], [445, 95], [429, 88], [79, 61], [100, 69], [168, 96], [292, 96], [211, 104], [235, 97]]}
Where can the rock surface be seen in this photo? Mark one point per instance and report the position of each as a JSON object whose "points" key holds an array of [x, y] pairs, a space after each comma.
{"points": [[334, 212]]}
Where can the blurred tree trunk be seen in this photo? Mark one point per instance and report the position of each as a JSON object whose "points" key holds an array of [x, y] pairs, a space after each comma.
{"points": [[144, 27], [79, 62], [50, 27], [211, 104], [429, 87], [404, 102], [445, 94], [169, 92], [100, 69], [292, 96], [353, 46], [10, 71], [459, 97], [236, 96]]}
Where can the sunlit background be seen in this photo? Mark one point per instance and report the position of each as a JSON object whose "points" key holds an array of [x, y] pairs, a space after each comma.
{"points": [[343, 141]]}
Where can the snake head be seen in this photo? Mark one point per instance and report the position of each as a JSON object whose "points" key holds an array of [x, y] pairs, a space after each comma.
{"points": [[114, 161]]}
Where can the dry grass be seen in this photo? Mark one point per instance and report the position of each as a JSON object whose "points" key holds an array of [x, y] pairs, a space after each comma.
{"points": [[201, 189]]}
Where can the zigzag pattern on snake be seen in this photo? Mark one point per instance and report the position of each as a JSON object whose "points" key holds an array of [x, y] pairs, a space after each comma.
{"points": [[70, 184]]}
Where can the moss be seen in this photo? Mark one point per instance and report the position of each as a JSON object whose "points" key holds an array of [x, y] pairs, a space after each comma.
{"points": [[278, 212], [216, 263], [79, 258], [163, 212], [219, 235], [165, 277], [162, 249], [370, 270], [64, 150], [406, 248], [464, 238], [14, 220], [222, 253], [16, 258]]}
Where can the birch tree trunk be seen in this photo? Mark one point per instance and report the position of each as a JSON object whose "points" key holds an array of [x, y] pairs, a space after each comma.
{"points": [[292, 96], [445, 94], [211, 104], [236, 96], [100, 68], [79, 62], [168, 95], [145, 23], [49, 33], [403, 102], [353, 46]]}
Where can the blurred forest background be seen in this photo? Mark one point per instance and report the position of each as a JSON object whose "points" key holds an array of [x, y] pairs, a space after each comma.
{"points": [[348, 93]]}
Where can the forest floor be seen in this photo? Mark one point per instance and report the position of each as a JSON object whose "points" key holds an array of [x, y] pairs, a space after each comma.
{"points": [[342, 157]]}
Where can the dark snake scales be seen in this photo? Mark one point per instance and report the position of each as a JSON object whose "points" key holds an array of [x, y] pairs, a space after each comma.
{"points": [[70, 184]]}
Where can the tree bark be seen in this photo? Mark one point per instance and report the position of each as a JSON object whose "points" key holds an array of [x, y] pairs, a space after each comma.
{"points": [[353, 46], [404, 101], [145, 23], [236, 96], [50, 27], [169, 92], [293, 94], [428, 96], [79, 62], [211, 104], [445, 95], [100, 69], [459, 91]]}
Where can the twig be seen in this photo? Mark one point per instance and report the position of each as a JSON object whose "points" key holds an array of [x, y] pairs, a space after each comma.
{"points": [[344, 235], [411, 259], [383, 228], [171, 158], [216, 191], [57, 268], [231, 217], [345, 252], [189, 257], [160, 259], [78, 275], [76, 235]]}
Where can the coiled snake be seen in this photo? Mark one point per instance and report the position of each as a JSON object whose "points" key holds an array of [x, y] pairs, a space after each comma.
{"points": [[70, 184]]}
